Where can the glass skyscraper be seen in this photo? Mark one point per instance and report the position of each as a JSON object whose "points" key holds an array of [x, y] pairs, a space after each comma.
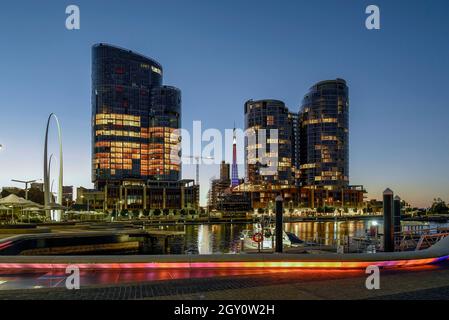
{"points": [[324, 136], [164, 143], [264, 150], [134, 118]]}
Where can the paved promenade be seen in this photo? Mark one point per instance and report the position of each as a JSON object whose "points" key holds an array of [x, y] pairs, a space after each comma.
{"points": [[425, 282]]}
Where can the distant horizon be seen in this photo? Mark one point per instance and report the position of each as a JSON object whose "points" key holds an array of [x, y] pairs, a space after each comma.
{"points": [[223, 55]]}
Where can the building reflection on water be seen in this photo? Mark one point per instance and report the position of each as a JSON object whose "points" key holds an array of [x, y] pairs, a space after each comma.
{"points": [[225, 238]]}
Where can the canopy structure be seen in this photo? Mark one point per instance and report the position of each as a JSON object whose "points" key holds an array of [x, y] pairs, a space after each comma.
{"points": [[33, 210], [55, 206], [13, 201], [5, 208]]}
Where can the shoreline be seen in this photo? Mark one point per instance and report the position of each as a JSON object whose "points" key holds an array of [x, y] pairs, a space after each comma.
{"points": [[207, 221]]}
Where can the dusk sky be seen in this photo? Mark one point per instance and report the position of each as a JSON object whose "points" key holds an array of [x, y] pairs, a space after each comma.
{"points": [[222, 53]]}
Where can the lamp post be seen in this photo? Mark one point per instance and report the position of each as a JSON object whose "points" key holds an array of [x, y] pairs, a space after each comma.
{"points": [[82, 198], [26, 182], [120, 202]]}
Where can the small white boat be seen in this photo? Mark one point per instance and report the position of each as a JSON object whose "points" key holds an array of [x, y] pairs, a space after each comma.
{"points": [[268, 238]]}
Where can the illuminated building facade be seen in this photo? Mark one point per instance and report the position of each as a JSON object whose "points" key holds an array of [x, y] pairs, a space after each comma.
{"points": [[164, 140], [294, 122], [139, 197], [135, 118], [324, 136], [312, 151], [268, 157], [135, 138]]}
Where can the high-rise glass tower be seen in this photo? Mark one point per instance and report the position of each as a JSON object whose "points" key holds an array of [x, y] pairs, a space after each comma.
{"points": [[324, 135], [268, 156], [133, 118], [164, 144]]}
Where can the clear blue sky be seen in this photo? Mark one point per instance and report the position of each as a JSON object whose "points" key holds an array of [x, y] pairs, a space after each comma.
{"points": [[221, 53]]}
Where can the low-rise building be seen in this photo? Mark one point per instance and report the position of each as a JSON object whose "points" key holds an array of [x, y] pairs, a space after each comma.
{"points": [[136, 196]]}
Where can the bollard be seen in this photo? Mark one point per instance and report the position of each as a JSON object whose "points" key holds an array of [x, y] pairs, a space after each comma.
{"points": [[388, 221], [279, 224]]}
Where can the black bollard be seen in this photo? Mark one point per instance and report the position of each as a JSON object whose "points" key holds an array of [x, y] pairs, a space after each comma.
{"points": [[279, 224], [388, 221]]}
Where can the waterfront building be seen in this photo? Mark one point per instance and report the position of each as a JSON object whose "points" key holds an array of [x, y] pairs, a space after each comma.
{"points": [[134, 196], [312, 151], [324, 136], [268, 157], [163, 140], [233, 204], [122, 82], [219, 186], [135, 137], [294, 122], [263, 195]]}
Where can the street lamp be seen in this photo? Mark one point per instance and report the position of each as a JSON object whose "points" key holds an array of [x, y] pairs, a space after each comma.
{"points": [[25, 182], [118, 205], [82, 197]]}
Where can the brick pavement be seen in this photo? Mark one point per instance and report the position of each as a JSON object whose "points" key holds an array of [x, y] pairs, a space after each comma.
{"points": [[294, 284]]}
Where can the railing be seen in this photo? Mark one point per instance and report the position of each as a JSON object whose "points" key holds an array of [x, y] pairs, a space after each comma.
{"points": [[318, 244], [418, 238], [409, 240]]}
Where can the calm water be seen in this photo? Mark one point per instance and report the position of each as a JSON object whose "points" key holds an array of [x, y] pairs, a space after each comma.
{"points": [[225, 238]]}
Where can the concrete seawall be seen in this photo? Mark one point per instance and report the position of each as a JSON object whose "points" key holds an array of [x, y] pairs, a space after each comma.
{"points": [[434, 254]]}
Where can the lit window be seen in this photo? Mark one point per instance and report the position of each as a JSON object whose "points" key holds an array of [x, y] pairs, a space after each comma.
{"points": [[156, 69]]}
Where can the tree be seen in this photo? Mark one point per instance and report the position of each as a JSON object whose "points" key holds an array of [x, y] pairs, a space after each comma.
{"points": [[260, 211], [192, 212], [166, 211], [124, 213], [439, 207], [328, 209], [175, 212], [146, 212], [36, 195], [157, 212], [183, 212]]}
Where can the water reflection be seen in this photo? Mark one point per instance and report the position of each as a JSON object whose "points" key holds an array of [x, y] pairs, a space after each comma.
{"points": [[225, 238]]}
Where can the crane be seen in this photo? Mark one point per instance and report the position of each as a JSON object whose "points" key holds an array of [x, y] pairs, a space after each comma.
{"points": [[197, 169]]}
